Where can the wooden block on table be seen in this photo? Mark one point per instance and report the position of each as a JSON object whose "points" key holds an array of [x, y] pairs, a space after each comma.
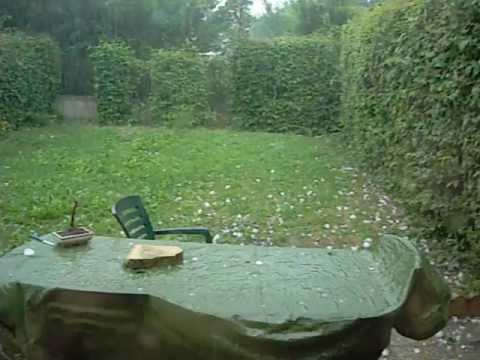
{"points": [[148, 256]]}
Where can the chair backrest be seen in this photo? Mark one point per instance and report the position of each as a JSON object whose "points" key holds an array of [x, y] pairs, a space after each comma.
{"points": [[133, 218]]}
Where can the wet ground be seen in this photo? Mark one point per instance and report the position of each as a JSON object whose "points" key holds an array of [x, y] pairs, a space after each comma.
{"points": [[460, 340]]}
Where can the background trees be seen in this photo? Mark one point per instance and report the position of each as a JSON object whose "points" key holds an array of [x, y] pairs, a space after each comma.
{"points": [[204, 25], [78, 25], [304, 17]]}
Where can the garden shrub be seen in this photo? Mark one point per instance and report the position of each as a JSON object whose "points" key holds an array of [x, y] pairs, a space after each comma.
{"points": [[411, 108], [288, 84], [117, 75], [179, 89], [219, 83], [29, 81], [4, 128]]}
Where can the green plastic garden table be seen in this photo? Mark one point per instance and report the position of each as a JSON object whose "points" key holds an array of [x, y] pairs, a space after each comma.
{"points": [[223, 302]]}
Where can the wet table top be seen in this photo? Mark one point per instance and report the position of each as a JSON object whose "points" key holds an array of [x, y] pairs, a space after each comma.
{"points": [[266, 284]]}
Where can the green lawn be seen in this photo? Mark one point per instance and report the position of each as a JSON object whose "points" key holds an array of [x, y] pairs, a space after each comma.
{"points": [[246, 187]]}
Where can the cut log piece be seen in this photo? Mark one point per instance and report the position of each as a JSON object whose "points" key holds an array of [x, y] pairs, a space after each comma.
{"points": [[148, 256]]}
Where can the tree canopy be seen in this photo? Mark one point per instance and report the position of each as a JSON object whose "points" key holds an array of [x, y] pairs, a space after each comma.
{"points": [[304, 17], [79, 25]]}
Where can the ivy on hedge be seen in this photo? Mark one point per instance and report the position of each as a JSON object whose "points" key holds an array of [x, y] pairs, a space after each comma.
{"points": [[288, 84], [411, 106], [179, 88], [29, 81], [117, 74]]}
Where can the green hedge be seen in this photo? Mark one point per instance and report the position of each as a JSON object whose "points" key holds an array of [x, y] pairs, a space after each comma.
{"points": [[411, 107], [288, 84], [4, 128], [29, 79], [179, 89], [117, 74]]}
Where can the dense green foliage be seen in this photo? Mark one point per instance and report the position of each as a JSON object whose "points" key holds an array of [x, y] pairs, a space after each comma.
{"points": [[411, 109], [117, 75], [219, 75], [29, 79], [303, 17], [289, 84], [78, 25], [179, 90], [275, 23], [205, 25], [237, 14], [4, 128]]}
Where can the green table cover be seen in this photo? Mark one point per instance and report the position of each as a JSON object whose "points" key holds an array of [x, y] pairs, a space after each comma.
{"points": [[223, 302]]}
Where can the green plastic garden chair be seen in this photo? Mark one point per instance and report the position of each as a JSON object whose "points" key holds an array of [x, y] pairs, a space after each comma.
{"points": [[133, 218]]}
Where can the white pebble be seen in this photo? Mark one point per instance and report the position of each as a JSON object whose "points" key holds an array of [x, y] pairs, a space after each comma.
{"points": [[258, 262], [28, 252]]}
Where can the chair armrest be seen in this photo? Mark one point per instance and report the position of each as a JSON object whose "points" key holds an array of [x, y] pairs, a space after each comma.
{"points": [[187, 231]]}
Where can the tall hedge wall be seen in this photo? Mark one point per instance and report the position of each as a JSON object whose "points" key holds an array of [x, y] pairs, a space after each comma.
{"points": [[29, 78], [117, 73], [179, 88], [411, 106], [289, 84]]}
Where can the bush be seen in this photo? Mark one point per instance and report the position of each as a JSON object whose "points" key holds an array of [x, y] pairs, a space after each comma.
{"points": [[220, 83], [117, 75], [4, 128], [179, 89], [30, 78], [411, 107], [289, 84]]}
